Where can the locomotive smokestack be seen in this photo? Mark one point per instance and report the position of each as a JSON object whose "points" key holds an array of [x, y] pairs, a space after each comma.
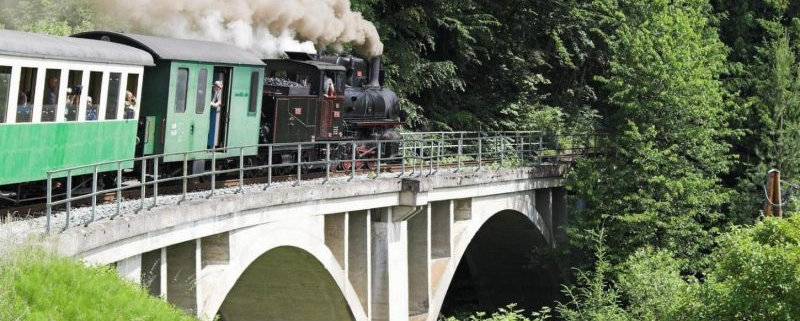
{"points": [[374, 72]]}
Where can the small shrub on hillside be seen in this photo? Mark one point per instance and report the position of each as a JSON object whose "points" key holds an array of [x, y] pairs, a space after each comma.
{"points": [[38, 285]]}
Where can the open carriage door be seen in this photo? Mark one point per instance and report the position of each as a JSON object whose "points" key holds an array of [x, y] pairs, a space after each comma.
{"points": [[220, 117]]}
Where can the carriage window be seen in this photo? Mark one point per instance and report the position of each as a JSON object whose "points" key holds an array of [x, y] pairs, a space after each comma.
{"points": [[52, 78], [112, 98], [254, 77], [181, 90], [95, 87], [5, 86], [202, 83], [74, 90], [27, 94], [131, 101]]}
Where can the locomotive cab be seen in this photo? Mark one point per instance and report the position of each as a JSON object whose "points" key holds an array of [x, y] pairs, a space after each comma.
{"points": [[302, 102]]}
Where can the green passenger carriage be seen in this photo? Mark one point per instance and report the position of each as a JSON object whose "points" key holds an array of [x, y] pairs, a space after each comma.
{"points": [[62, 104], [176, 115]]}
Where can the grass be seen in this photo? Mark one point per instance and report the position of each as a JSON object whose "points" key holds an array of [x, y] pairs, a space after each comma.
{"points": [[38, 285]]}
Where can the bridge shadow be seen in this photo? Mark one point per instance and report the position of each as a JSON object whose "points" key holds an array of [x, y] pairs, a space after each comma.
{"points": [[285, 283], [500, 267]]}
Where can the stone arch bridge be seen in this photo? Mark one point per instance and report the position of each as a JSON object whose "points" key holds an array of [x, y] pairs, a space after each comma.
{"points": [[383, 249]]}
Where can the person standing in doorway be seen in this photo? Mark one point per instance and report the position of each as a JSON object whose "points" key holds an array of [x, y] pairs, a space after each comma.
{"points": [[216, 109], [216, 97]]}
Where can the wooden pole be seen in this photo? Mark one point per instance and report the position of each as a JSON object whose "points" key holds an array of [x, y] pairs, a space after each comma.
{"points": [[770, 194], [776, 193]]}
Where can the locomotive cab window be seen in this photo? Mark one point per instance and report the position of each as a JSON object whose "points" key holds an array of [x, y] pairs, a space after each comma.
{"points": [[181, 89], [5, 87], [27, 94], [93, 97], [333, 78], [339, 82], [132, 97], [51, 94], [74, 92]]}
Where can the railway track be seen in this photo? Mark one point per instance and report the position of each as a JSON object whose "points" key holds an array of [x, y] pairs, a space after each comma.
{"points": [[37, 209], [175, 187]]}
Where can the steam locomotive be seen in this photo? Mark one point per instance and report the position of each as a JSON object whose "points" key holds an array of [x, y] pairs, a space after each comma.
{"points": [[65, 102]]}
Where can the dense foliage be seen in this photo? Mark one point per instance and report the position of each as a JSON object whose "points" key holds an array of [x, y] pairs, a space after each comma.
{"points": [[659, 181]]}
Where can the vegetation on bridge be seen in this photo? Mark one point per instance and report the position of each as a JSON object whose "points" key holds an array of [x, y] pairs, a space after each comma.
{"points": [[38, 285]]}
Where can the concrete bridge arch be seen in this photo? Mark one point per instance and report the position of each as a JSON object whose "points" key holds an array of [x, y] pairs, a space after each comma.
{"points": [[494, 242], [292, 275]]}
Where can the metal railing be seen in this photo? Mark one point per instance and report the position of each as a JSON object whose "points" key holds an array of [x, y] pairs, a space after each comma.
{"points": [[416, 154]]}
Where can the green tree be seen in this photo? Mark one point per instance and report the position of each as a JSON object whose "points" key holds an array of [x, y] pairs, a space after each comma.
{"points": [[651, 285], [762, 35], [775, 126], [658, 183], [756, 275], [61, 18]]}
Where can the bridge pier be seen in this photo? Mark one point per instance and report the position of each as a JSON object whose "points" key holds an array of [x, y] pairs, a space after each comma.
{"points": [[359, 256], [183, 264]]}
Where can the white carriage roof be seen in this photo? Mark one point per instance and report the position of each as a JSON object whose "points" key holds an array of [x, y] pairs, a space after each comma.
{"points": [[34, 45], [180, 49]]}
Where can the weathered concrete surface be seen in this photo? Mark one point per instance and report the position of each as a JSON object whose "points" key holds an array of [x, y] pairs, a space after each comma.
{"points": [[374, 250], [111, 241]]}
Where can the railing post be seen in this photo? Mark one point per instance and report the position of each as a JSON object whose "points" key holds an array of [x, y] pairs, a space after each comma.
{"points": [[502, 150], [49, 200], [327, 162], [299, 162], [541, 148], [241, 170], [432, 157], [213, 172], [94, 195], [378, 161], [269, 170], [155, 182], [422, 146], [439, 154], [185, 173], [353, 162], [460, 150], [119, 190], [69, 197], [142, 183], [480, 151], [520, 143], [402, 148]]}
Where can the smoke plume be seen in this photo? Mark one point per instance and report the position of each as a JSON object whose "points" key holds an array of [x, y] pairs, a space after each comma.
{"points": [[268, 27]]}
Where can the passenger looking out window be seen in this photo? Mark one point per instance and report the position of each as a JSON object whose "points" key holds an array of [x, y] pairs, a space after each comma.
{"points": [[50, 103], [130, 105], [91, 109], [27, 94], [74, 91], [95, 85]]}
